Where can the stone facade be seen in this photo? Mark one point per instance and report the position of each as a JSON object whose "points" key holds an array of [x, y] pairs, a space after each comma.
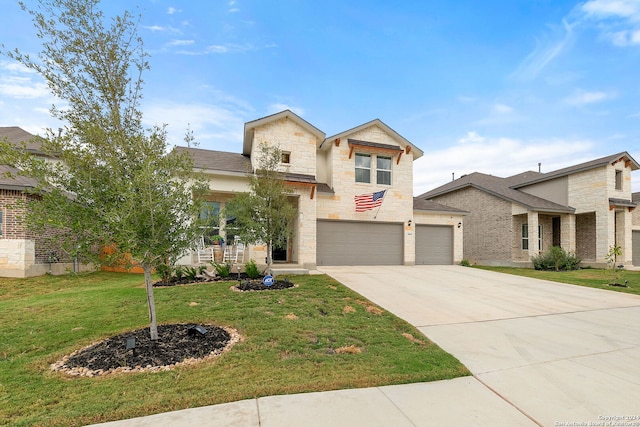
{"points": [[330, 162]]}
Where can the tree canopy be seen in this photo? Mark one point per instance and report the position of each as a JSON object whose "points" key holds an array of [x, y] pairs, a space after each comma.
{"points": [[109, 181], [265, 213]]}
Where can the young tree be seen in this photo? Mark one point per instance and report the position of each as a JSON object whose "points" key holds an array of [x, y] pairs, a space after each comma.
{"points": [[264, 214], [113, 183]]}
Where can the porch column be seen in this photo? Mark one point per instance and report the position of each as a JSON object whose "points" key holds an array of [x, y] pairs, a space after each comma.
{"points": [[532, 225], [568, 232]]}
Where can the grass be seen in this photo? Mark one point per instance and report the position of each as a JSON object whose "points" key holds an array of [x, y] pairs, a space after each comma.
{"points": [[318, 336], [593, 278]]}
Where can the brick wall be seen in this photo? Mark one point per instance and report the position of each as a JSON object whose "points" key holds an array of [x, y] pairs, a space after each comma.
{"points": [[488, 234], [12, 224], [586, 236]]}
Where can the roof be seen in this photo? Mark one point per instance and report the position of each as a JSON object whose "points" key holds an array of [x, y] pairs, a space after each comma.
{"points": [[431, 206], [498, 187], [635, 197], [508, 188], [16, 136], [581, 168], [249, 127], [218, 160], [15, 182], [384, 127]]}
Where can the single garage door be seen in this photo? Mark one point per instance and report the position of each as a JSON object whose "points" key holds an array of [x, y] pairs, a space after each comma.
{"points": [[434, 244], [636, 248], [359, 243]]}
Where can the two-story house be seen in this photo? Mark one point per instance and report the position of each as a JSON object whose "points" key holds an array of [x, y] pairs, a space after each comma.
{"points": [[585, 209], [353, 192]]}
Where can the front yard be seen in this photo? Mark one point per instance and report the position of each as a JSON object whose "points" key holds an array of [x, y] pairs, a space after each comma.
{"points": [[593, 278], [317, 336]]}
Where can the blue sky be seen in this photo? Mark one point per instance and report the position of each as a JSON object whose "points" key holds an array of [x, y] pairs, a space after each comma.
{"points": [[496, 86]]}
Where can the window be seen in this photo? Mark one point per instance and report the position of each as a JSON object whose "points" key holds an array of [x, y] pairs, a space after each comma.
{"points": [[525, 237], [210, 214], [285, 157], [618, 180], [383, 170], [363, 168]]}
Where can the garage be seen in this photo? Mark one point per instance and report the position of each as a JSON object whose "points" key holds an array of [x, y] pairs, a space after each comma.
{"points": [[359, 243], [434, 245], [636, 248]]}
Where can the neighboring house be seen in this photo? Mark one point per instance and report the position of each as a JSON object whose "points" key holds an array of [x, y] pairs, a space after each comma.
{"points": [[585, 209], [22, 254], [353, 192]]}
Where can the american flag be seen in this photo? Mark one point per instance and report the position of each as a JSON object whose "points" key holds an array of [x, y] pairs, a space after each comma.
{"points": [[365, 202]]}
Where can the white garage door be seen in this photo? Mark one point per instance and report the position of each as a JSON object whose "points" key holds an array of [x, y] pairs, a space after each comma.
{"points": [[434, 244], [636, 248], [359, 243]]}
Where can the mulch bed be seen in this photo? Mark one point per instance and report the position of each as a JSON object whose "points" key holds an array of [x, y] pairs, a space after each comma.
{"points": [[178, 344], [257, 285]]}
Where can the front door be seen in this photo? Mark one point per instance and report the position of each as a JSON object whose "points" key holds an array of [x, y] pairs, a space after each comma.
{"points": [[556, 231]]}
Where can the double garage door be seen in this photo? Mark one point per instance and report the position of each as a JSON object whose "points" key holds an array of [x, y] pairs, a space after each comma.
{"points": [[375, 243]]}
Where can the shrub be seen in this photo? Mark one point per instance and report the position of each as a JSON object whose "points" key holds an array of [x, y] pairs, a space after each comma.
{"points": [[165, 271], [251, 269], [465, 263], [190, 273], [555, 258], [222, 270]]}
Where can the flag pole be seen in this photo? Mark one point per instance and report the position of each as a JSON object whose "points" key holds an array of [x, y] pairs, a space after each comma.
{"points": [[383, 196]]}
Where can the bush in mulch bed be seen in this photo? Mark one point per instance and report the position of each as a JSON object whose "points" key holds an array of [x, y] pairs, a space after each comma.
{"points": [[258, 285], [176, 343]]}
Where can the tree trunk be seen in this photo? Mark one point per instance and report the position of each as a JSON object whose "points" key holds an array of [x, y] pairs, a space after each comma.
{"points": [[269, 257], [153, 327]]}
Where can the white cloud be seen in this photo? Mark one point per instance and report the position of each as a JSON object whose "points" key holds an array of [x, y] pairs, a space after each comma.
{"points": [[502, 109], [173, 11], [18, 81], [499, 156], [214, 126], [601, 9], [582, 97], [181, 42], [546, 50]]}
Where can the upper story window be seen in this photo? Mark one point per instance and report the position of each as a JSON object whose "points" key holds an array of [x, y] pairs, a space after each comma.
{"points": [[382, 168], [383, 172], [618, 180], [363, 167], [285, 157]]}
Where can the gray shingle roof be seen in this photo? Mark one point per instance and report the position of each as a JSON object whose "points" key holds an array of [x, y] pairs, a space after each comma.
{"points": [[16, 182], [580, 168], [218, 160], [499, 187], [431, 206], [17, 136], [507, 188], [635, 197]]}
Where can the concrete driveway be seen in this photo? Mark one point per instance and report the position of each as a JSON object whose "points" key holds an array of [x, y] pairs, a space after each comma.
{"points": [[560, 354]]}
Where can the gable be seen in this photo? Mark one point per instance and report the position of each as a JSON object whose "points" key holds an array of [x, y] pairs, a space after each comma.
{"points": [[373, 132]]}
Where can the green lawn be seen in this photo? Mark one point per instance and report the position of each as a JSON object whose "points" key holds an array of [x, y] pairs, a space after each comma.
{"points": [[44, 318], [593, 278]]}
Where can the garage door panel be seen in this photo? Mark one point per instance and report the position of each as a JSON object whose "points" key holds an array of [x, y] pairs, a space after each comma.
{"points": [[359, 243], [434, 245], [636, 248]]}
